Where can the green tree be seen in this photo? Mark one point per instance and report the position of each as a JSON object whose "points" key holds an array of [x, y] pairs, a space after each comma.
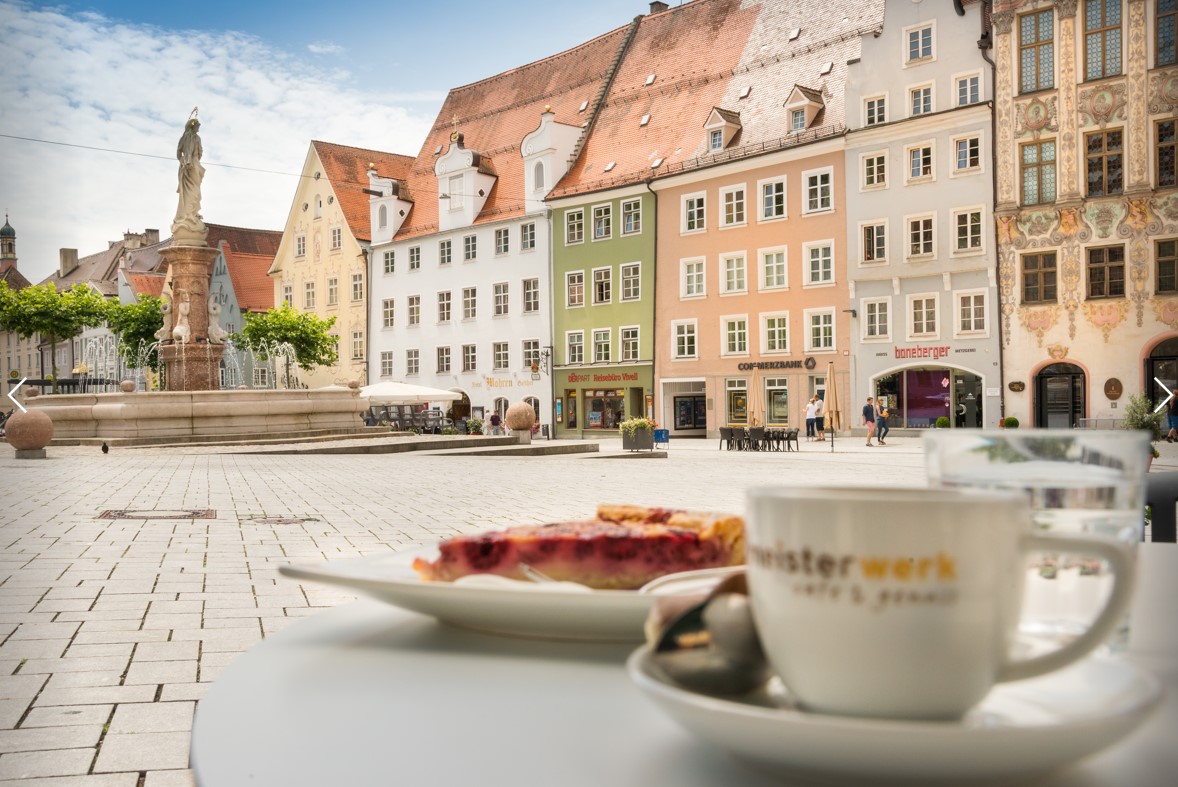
{"points": [[55, 316], [135, 325], [306, 333]]}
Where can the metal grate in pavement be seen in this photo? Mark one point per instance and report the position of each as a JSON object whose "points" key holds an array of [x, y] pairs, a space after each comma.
{"points": [[282, 520], [162, 513]]}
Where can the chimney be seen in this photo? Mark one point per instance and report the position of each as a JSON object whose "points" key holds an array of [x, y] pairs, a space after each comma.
{"points": [[69, 261], [152, 236], [657, 6]]}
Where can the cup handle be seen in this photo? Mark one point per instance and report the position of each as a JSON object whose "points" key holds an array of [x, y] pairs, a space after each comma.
{"points": [[1121, 561]]}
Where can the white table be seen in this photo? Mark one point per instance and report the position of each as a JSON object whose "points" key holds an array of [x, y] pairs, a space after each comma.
{"points": [[366, 694]]}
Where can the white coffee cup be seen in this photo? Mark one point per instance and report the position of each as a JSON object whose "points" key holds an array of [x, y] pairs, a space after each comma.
{"points": [[902, 603]]}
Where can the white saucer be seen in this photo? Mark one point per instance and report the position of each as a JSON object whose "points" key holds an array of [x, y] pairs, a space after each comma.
{"points": [[1021, 729]]}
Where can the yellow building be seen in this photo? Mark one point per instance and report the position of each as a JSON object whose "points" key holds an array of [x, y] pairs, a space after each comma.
{"points": [[322, 262]]}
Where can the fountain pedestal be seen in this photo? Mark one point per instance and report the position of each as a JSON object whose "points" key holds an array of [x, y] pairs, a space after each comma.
{"points": [[190, 361]]}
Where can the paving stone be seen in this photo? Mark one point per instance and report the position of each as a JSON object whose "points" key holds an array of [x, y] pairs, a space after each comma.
{"points": [[62, 762], [11, 710], [142, 751], [102, 780], [153, 717], [46, 738], [99, 695], [67, 715], [185, 778], [155, 672], [167, 651]]}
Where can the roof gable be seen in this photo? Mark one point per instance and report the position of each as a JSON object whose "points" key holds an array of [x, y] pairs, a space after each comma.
{"points": [[346, 169]]}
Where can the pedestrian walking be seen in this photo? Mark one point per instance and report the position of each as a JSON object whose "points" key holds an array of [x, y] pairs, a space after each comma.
{"points": [[495, 421], [1172, 419], [869, 418], [881, 422], [820, 418], [811, 410]]}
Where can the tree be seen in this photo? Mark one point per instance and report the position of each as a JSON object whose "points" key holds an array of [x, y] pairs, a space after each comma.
{"points": [[135, 325], [306, 333], [56, 316]]}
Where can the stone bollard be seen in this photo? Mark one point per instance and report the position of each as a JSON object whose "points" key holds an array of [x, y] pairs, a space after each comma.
{"points": [[128, 386], [29, 432]]}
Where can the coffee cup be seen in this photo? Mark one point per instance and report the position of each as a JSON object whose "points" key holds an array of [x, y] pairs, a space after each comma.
{"points": [[903, 603]]}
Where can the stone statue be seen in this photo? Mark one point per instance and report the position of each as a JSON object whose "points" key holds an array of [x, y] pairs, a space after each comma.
{"points": [[191, 173], [165, 332], [217, 334], [180, 331]]}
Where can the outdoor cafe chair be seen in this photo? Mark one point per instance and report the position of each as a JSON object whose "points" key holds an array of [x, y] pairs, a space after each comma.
{"points": [[726, 437], [756, 439]]}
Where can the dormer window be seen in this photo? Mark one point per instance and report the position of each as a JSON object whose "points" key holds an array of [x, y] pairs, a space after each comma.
{"points": [[382, 216], [721, 127], [797, 120], [538, 176], [456, 192], [804, 106], [716, 142]]}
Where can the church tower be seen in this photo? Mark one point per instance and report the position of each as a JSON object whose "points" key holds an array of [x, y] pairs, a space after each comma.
{"points": [[7, 247]]}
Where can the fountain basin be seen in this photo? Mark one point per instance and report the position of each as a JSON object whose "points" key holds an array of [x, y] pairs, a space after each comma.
{"points": [[184, 413]]}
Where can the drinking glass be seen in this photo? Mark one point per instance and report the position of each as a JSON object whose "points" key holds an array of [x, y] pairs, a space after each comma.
{"points": [[1087, 481]]}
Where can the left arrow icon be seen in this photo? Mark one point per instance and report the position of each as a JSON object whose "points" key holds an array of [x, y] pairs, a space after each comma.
{"points": [[14, 390]]}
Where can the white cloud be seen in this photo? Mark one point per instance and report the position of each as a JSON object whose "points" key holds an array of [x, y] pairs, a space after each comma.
{"points": [[322, 48], [84, 80]]}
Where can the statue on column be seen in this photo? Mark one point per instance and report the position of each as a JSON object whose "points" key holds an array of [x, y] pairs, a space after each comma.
{"points": [[188, 220], [181, 330]]}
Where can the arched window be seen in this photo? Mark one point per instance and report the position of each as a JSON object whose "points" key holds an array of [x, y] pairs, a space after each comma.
{"points": [[538, 175], [535, 403], [382, 216]]}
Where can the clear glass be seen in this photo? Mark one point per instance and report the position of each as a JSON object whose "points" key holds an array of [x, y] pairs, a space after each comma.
{"points": [[1087, 481]]}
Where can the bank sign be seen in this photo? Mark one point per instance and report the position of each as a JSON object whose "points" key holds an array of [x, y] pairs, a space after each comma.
{"points": [[809, 363]]}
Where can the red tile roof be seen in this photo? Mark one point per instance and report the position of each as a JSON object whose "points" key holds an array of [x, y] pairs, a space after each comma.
{"points": [[146, 283], [248, 255], [346, 169], [495, 114]]}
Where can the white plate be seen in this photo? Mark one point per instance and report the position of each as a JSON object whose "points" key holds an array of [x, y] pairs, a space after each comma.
{"points": [[492, 604], [1021, 729]]}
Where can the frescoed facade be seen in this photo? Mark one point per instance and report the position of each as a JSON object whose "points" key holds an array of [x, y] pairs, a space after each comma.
{"points": [[1087, 208]]}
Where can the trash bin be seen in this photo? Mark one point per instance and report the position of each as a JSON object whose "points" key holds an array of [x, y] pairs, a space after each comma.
{"points": [[662, 437]]}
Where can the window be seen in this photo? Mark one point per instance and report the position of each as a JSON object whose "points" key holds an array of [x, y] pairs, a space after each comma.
{"points": [[574, 226], [1036, 51], [576, 347], [332, 291], [531, 353], [470, 247], [684, 333], [390, 261], [967, 154], [412, 362], [775, 329], [733, 206], [1167, 145], [455, 189], [875, 111], [1039, 278], [445, 252], [261, 375], [923, 314], [773, 270], [1167, 257], [818, 191], [971, 312], [819, 262], [1102, 38], [1105, 164], [538, 176], [716, 139], [1167, 19], [288, 295], [527, 236], [601, 345], [469, 358], [501, 299], [337, 238], [386, 311], [797, 120], [414, 258], [773, 200], [692, 283], [1106, 272], [736, 336], [602, 292], [875, 242], [920, 162], [309, 295], [693, 213], [920, 100], [921, 242], [968, 229], [499, 356], [734, 274], [382, 217], [820, 330], [1038, 167], [631, 216], [628, 337], [874, 170], [357, 345], [469, 303], [357, 286], [968, 90], [920, 44], [443, 354], [444, 306], [414, 303], [631, 281], [575, 288], [603, 227], [301, 246], [876, 322], [531, 296], [386, 364]]}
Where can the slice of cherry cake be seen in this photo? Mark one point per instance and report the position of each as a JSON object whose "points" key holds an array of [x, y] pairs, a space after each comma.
{"points": [[624, 548]]}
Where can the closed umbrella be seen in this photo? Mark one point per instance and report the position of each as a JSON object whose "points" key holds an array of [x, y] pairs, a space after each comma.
{"points": [[389, 392], [833, 408]]}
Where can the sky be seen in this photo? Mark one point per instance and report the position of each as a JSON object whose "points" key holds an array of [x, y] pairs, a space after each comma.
{"points": [[94, 97]]}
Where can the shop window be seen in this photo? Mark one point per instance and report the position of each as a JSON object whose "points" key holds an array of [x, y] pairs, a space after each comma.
{"points": [[737, 401]]}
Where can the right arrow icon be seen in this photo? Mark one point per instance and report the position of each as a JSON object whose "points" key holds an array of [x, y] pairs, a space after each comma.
{"points": [[14, 390], [1169, 395]]}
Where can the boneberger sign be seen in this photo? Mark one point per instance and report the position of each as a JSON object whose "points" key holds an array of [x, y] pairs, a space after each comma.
{"points": [[921, 352]]}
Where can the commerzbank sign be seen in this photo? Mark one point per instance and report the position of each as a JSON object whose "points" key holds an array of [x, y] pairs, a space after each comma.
{"points": [[809, 363]]}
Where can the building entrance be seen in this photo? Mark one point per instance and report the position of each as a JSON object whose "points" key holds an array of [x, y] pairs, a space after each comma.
{"points": [[1059, 396]]}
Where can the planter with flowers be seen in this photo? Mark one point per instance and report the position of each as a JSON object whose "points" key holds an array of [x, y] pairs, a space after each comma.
{"points": [[637, 434], [519, 419]]}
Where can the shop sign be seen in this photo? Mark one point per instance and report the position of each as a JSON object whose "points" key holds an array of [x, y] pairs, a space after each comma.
{"points": [[809, 363], [1113, 388], [1018, 386], [921, 352], [595, 377]]}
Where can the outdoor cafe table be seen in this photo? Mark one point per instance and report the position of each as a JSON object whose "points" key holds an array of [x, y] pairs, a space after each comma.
{"points": [[366, 694]]}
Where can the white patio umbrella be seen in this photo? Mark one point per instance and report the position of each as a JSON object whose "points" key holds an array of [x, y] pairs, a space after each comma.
{"points": [[389, 392]]}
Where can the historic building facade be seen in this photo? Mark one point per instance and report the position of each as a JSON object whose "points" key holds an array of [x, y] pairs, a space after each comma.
{"points": [[1087, 208]]}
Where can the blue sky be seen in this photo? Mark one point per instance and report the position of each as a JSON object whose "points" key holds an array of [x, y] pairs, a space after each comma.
{"points": [[268, 77]]}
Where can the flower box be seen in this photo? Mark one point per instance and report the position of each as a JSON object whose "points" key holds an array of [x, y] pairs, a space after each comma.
{"points": [[638, 440]]}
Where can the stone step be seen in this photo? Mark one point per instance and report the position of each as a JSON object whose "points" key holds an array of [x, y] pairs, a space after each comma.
{"points": [[354, 433]]}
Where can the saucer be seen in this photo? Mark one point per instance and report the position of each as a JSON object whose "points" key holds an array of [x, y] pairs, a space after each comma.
{"points": [[1022, 728]]}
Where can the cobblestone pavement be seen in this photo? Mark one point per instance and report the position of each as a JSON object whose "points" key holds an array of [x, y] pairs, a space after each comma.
{"points": [[111, 630]]}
